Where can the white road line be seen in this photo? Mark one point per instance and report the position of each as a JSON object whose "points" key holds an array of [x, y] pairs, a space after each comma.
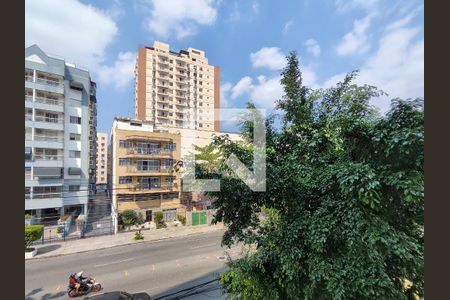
{"points": [[207, 245], [114, 262]]}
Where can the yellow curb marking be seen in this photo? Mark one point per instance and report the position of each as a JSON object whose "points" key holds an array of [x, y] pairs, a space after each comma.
{"points": [[58, 288], [178, 263], [125, 273], [153, 268]]}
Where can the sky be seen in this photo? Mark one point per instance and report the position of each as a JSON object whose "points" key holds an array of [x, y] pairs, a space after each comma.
{"points": [[248, 39]]}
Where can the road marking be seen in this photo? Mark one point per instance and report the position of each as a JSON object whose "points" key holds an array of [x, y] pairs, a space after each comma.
{"points": [[114, 262], [125, 273], [153, 268], [201, 246], [178, 263], [58, 288]]}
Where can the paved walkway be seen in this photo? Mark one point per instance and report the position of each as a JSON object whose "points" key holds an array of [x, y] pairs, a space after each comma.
{"points": [[102, 242]]}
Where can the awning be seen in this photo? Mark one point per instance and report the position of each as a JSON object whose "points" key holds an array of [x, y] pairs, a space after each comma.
{"points": [[47, 172], [76, 85], [74, 171]]}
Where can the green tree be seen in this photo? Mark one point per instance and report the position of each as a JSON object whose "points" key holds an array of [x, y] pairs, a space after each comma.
{"points": [[159, 220], [32, 233], [342, 217], [129, 217]]}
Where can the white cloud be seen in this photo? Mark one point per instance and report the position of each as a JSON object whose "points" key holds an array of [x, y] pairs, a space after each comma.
{"points": [[57, 28], [396, 67], [313, 47], [225, 89], [255, 7], [357, 40], [121, 73], [180, 18], [242, 87], [270, 57], [266, 92], [287, 25], [347, 5]]}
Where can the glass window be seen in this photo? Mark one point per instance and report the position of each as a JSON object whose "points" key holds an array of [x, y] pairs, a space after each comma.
{"points": [[125, 144], [74, 188], [170, 179], [124, 179], [75, 137], [74, 154], [75, 120], [170, 146], [148, 164], [28, 153], [124, 161]]}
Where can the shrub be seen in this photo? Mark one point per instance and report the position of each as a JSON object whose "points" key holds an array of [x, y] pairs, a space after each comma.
{"points": [[60, 229], [182, 219], [129, 217], [159, 220], [28, 216], [140, 218], [32, 233], [138, 236]]}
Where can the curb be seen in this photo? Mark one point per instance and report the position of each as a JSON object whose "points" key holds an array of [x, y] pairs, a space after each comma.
{"points": [[125, 244]]}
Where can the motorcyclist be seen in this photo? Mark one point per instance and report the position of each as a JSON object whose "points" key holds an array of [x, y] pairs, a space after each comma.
{"points": [[80, 279], [73, 282]]}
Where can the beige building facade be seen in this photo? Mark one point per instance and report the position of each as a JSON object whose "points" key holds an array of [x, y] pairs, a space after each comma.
{"points": [[177, 89], [102, 158], [142, 167]]}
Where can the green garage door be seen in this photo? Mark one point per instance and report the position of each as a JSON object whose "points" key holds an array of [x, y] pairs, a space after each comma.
{"points": [[195, 218], [198, 218]]}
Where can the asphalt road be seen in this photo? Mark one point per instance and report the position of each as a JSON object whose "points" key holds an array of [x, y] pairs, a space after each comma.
{"points": [[152, 267]]}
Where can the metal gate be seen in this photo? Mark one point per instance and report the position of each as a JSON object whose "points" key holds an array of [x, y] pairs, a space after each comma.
{"points": [[199, 218]]}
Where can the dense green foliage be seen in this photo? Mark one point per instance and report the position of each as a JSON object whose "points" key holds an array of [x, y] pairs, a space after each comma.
{"points": [[130, 217], [342, 217], [32, 233], [28, 216], [182, 219], [159, 220], [138, 236]]}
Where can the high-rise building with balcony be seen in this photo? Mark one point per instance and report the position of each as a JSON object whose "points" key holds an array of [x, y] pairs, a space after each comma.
{"points": [[102, 158], [60, 120], [143, 178], [177, 89]]}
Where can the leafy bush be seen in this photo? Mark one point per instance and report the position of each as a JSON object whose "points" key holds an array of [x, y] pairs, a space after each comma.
{"points": [[159, 220], [138, 236], [140, 218], [32, 233], [182, 219], [28, 216], [129, 217], [60, 229]]}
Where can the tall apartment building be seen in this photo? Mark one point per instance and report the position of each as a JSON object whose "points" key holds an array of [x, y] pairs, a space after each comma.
{"points": [[177, 89], [92, 137], [102, 158], [59, 118], [142, 174]]}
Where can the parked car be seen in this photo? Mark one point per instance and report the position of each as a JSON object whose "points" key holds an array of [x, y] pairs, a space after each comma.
{"points": [[120, 295]]}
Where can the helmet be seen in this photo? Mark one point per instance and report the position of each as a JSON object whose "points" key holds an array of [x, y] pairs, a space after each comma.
{"points": [[79, 274]]}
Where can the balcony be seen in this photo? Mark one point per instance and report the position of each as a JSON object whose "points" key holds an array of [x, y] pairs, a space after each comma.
{"points": [[45, 84], [152, 187], [148, 170], [152, 152], [49, 101]]}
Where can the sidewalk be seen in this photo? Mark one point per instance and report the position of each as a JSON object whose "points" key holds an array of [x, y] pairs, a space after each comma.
{"points": [[102, 242]]}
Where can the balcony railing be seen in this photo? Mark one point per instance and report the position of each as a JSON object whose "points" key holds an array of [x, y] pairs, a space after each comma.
{"points": [[141, 169], [49, 101], [28, 117], [28, 98], [45, 138], [48, 157], [49, 82], [149, 186], [148, 151], [48, 119], [29, 78], [45, 195]]}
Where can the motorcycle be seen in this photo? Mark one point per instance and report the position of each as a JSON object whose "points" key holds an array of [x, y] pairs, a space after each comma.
{"points": [[87, 286]]}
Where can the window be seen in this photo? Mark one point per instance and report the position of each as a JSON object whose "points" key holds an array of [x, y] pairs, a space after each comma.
{"points": [[168, 163], [28, 152], [147, 164], [103, 179], [125, 144], [103, 144], [170, 179], [170, 146], [43, 192], [75, 137], [124, 179], [74, 188], [75, 120], [124, 161], [74, 154]]}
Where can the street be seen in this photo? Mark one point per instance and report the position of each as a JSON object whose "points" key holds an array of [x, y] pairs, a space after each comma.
{"points": [[152, 267]]}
